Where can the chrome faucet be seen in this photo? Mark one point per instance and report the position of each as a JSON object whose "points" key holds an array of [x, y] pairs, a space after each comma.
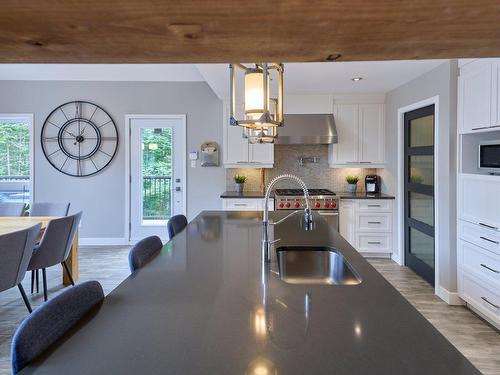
{"points": [[266, 242]]}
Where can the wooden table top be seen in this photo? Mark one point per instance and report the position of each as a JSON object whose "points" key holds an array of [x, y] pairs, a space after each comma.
{"points": [[10, 224]]}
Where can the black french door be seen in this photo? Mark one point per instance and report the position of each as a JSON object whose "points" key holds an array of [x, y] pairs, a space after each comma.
{"points": [[419, 192]]}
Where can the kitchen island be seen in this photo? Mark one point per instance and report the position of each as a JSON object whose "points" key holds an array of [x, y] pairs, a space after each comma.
{"points": [[208, 305]]}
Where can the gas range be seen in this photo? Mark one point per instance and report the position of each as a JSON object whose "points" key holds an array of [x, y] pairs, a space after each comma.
{"points": [[293, 199]]}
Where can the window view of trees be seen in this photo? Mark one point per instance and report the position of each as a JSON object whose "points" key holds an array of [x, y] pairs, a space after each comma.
{"points": [[14, 161], [157, 173], [14, 149]]}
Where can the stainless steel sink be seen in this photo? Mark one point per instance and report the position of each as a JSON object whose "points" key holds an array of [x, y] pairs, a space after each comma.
{"points": [[315, 265]]}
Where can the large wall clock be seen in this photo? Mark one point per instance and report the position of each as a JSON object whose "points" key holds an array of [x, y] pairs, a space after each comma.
{"points": [[79, 138]]}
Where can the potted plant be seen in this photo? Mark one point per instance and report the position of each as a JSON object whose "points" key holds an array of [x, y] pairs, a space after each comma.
{"points": [[240, 182], [352, 183]]}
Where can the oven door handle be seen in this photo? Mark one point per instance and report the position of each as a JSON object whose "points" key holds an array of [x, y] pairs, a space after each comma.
{"points": [[327, 213]]}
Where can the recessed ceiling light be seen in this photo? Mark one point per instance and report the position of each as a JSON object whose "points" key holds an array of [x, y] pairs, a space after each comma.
{"points": [[356, 79]]}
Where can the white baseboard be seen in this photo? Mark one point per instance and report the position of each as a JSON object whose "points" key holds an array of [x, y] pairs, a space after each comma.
{"points": [[395, 257], [451, 298], [103, 241]]}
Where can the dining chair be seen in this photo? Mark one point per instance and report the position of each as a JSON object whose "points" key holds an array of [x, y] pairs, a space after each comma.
{"points": [[15, 251], [46, 209], [55, 246], [175, 225], [49, 209], [12, 209], [143, 251], [52, 320]]}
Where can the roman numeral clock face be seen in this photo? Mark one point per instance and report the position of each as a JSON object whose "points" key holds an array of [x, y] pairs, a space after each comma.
{"points": [[79, 138]]}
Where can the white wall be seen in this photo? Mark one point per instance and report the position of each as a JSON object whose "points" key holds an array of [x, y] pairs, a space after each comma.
{"points": [[442, 82], [102, 197]]}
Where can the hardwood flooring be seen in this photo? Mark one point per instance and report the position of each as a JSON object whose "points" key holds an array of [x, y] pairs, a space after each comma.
{"points": [[474, 338]]}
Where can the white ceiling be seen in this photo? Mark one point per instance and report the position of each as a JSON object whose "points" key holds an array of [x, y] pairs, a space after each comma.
{"points": [[333, 77], [300, 78]]}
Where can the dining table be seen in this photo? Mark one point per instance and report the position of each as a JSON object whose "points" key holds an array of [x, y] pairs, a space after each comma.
{"points": [[9, 224]]}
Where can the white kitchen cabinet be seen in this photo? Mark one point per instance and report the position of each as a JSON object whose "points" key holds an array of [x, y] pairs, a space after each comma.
{"points": [[475, 96], [367, 225], [246, 204], [347, 220], [479, 200], [361, 135], [238, 153]]}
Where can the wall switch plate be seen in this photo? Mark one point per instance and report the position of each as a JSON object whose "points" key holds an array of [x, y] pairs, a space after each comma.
{"points": [[193, 155], [193, 163]]}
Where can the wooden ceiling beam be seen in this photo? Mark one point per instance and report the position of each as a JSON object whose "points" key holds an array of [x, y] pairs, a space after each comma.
{"points": [[201, 31]]}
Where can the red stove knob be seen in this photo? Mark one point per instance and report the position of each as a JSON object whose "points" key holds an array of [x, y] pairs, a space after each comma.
{"points": [[297, 204], [287, 204], [334, 204], [318, 205], [327, 204], [282, 205]]}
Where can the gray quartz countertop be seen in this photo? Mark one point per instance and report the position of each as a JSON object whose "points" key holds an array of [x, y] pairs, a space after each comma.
{"points": [[244, 194], [202, 306], [364, 195]]}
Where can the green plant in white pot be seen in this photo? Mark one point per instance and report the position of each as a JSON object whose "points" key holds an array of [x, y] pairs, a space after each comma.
{"points": [[352, 183], [240, 182]]}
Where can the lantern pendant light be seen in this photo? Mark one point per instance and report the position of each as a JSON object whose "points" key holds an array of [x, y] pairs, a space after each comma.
{"points": [[263, 115]]}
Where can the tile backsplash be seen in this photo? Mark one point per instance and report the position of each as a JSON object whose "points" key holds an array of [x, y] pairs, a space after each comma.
{"points": [[315, 175]]}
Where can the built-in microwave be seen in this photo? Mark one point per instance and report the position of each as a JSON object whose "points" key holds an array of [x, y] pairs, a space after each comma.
{"points": [[489, 156]]}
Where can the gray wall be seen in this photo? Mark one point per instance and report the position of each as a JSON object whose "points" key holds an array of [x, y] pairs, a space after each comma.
{"points": [[102, 197], [442, 82]]}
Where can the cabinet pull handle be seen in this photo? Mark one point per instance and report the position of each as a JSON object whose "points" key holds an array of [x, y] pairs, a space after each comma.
{"points": [[495, 126], [491, 303], [374, 222], [241, 204], [365, 162], [488, 226], [488, 268], [480, 127], [374, 242], [374, 205], [487, 239], [352, 162]]}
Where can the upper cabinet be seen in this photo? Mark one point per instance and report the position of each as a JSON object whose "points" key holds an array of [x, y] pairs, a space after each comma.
{"points": [[361, 135], [478, 96], [238, 153]]}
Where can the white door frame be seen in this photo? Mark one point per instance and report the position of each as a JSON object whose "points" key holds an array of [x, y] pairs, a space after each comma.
{"points": [[128, 119], [399, 257], [29, 117]]}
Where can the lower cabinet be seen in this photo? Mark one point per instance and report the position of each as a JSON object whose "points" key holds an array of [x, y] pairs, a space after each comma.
{"points": [[246, 204], [367, 225], [478, 260]]}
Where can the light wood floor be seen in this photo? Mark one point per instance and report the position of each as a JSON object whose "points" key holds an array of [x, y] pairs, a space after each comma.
{"points": [[474, 338]]}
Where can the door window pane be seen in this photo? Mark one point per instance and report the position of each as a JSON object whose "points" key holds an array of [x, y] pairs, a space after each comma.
{"points": [[422, 131], [422, 246], [14, 161], [156, 174], [422, 208], [422, 169]]}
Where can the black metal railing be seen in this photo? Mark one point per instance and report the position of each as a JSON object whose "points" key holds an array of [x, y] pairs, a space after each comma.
{"points": [[15, 189], [156, 193]]}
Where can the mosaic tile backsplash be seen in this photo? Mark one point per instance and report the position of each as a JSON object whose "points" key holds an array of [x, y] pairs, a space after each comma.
{"points": [[315, 175]]}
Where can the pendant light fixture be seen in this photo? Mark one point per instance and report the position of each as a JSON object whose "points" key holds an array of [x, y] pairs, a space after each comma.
{"points": [[263, 114]]}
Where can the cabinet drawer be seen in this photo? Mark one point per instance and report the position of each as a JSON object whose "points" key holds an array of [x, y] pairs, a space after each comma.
{"points": [[479, 261], [479, 235], [371, 222], [378, 205], [480, 296], [374, 243], [242, 204]]}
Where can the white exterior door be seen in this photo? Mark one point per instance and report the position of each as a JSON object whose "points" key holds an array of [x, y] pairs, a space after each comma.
{"points": [[157, 173]]}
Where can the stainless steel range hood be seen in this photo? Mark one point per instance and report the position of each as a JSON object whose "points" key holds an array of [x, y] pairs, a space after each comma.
{"points": [[307, 129]]}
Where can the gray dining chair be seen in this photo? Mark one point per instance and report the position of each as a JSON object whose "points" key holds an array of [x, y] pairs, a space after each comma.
{"points": [[175, 225], [12, 209], [49, 209], [15, 253], [143, 251], [55, 246], [46, 209], [51, 321]]}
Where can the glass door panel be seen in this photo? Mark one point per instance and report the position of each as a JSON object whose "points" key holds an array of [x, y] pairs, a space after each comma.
{"points": [[419, 191]]}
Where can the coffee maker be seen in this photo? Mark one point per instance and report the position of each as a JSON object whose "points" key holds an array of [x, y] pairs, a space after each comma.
{"points": [[372, 183]]}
